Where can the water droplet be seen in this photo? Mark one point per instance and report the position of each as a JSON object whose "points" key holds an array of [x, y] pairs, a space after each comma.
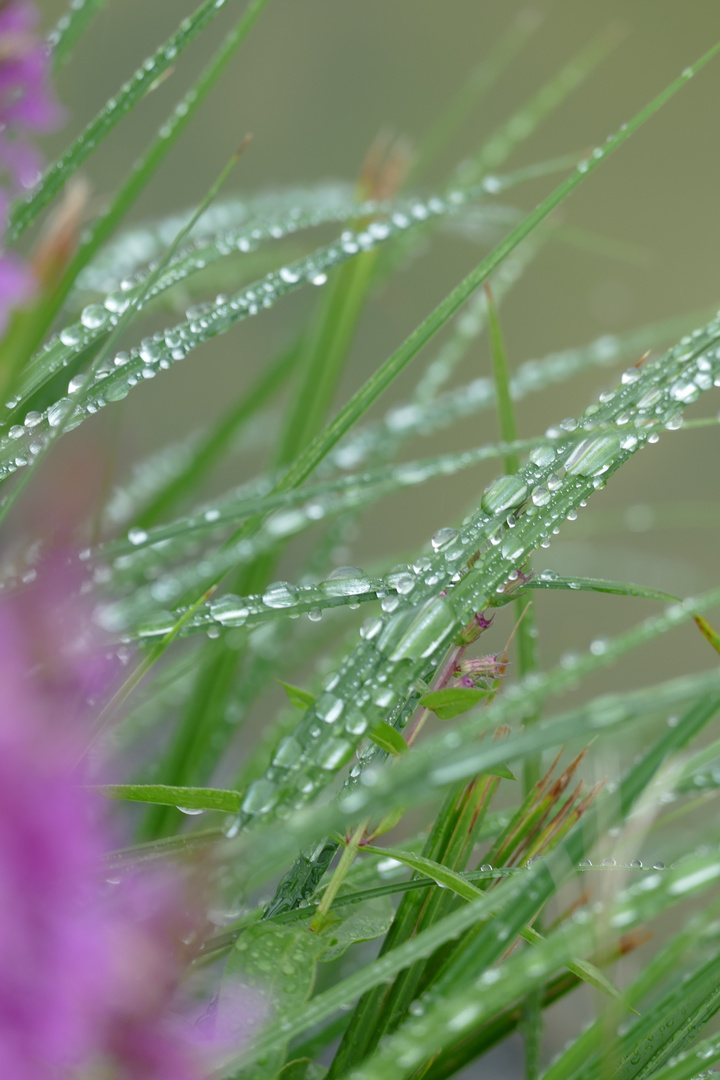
{"points": [[230, 610], [542, 456], [540, 496], [75, 383], [329, 708], [288, 752], [432, 625], [150, 351], [190, 810], [280, 594], [318, 279], [593, 456], [93, 316], [137, 536], [371, 628], [684, 391], [442, 538], [260, 797], [288, 275], [503, 494], [404, 582], [71, 336], [335, 753]]}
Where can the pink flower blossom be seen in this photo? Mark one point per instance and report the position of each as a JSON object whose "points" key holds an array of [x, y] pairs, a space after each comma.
{"points": [[27, 107], [89, 969]]}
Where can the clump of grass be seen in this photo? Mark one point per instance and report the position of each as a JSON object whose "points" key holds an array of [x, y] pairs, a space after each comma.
{"points": [[422, 787]]}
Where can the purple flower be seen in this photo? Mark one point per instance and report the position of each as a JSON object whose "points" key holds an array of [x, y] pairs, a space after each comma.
{"points": [[481, 667], [89, 969], [27, 107]]}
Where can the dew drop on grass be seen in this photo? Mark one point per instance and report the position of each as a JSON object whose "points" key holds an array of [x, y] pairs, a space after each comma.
{"points": [[503, 494], [593, 456], [137, 536], [93, 316], [260, 797], [540, 496], [71, 336], [230, 610], [442, 538], [281, 594]]}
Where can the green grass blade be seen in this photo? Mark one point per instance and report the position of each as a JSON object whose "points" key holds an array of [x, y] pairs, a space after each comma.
{"points": [[189, 798], [144, 169], [70, 27], [24, 212], [548, 98], [399, 360], [481, 79]]}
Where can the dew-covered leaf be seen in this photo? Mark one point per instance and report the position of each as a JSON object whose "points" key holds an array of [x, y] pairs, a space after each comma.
{"points": [[275, 967], [359, 922]]}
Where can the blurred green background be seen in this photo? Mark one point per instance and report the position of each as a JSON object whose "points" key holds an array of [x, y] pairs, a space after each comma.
{"points": [[315, 83]]}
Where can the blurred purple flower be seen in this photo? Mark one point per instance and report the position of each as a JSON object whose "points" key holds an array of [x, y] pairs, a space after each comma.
{"points": [[27, 107], [88, 969]]}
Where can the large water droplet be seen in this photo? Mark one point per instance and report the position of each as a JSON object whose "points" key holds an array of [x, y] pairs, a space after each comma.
{"points": [[593, 456], [260, 797], [230, 610], [93, 316], [335, 753], [442, 538], [432, 625], [280, 594], [542, 456], [503, 494]]}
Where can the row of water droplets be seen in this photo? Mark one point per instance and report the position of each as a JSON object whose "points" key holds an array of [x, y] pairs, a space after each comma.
{"points": [[129, 94], [114, 379], [345, 585], [405, 420], [138, 247], [517, 514], [293, 510], [415, 418], [98, 317], [165, 543]]}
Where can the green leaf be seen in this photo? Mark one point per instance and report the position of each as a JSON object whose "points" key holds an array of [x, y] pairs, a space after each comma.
{"points": [[278, 965], [301, 699], [453, 701], [387, 738], [187, 798], [362, 922]]}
